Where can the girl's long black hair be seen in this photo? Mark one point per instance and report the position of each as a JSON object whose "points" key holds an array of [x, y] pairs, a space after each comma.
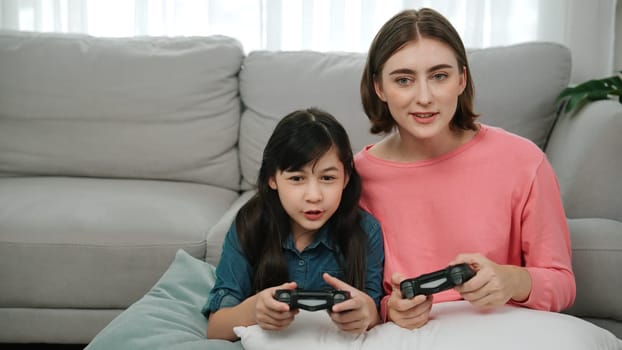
{"points": [[301, 137]]}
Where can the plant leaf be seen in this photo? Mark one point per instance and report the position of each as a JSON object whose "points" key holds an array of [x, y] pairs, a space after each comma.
{"points": [[591, 90]]}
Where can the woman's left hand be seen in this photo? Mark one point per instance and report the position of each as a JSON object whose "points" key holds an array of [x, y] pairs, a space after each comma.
{"points": [[355, 315], [494, 284]]}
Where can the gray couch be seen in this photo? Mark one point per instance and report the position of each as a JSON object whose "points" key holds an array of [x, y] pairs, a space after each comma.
{"points": [[115, 153]]}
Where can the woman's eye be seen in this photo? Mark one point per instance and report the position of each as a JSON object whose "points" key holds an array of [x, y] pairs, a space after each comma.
{"points": [[439, 76], [402, 81]]}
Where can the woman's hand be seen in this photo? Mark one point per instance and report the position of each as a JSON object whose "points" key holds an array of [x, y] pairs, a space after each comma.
{"points": [[272, 314], [407, 313], [493, 285], [355, 315]]}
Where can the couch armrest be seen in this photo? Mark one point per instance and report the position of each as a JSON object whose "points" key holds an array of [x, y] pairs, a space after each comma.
{"points": [[596, 261], [216, 235], [585, 151]]}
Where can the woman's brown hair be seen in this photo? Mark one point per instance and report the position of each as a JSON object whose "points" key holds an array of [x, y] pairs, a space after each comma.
{"points": [[405, 27]]}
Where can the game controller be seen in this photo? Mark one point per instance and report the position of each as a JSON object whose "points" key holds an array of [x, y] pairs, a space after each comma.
{"points": [[311, 300], [438, 281]]}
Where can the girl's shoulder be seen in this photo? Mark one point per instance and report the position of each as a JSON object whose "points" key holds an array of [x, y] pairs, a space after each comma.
{"points": [[368, 222]]}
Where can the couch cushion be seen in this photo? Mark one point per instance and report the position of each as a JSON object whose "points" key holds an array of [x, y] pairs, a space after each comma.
{"points": [[510, 91], [273, 84], [596, 251], [584, 150], [516, 86], [97, 243], [150, 108]]}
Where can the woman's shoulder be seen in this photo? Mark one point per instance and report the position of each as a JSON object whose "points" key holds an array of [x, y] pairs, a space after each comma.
{"points": [[511, 144]]}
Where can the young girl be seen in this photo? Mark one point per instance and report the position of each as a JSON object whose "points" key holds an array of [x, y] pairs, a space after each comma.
{"points": [[302, 229], [466, 192]]}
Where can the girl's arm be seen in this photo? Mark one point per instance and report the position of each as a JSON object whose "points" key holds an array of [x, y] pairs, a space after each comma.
{"points": [[362, 313], [221, 322], [261, 309]]}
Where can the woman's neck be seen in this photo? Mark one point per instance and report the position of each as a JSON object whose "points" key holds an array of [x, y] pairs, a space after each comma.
{"points": [[403, 147]]}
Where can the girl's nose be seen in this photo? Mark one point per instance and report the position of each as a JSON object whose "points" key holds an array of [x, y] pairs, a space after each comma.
{"points": [[313, 192]]}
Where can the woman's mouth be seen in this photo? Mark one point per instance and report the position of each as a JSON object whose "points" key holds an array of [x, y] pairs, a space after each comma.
{"points": [[424, 117]]}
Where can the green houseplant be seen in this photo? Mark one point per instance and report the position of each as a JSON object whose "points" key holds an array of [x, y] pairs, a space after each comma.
{"points": [[575, 97]]}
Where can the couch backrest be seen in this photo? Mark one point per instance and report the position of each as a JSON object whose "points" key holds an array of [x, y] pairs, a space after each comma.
{"points": [[148, 108], [272, 84], [515, 88]]}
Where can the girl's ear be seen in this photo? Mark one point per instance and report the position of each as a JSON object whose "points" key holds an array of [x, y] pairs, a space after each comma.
{"points": [[347, 179], [272, 183], [378, 88]]}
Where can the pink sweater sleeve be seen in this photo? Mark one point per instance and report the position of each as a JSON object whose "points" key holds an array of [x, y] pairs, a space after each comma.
{"points": [[546, 244]]}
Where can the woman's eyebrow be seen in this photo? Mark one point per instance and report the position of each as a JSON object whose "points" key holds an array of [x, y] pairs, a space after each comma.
{"points": [[412, 72]]}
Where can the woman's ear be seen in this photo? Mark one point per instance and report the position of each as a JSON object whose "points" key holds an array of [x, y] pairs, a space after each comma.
{"points": [[463, 80], [272, 183], [378, 88], [345, 182]]}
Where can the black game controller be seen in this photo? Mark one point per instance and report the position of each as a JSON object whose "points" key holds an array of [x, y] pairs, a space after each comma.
{"points": [[311, 300], [438, 281]]}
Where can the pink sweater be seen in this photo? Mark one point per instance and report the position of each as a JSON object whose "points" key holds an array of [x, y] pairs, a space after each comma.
{"points": [[496, 195]]}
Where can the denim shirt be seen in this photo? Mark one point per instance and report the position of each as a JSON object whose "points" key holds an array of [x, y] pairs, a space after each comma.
{"points": [[234, 274]]}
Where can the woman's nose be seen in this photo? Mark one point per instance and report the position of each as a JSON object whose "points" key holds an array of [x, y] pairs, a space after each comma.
{"points": [[423, 94]]}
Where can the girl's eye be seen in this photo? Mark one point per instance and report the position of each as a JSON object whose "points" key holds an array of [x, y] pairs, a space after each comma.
{"points": [[295, 178], [328, 178]]}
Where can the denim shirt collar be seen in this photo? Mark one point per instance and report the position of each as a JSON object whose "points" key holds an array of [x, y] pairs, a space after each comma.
{"points": [[320, 238]]}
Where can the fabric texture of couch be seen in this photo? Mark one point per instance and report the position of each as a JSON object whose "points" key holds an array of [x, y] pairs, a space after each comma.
{"points": [[115, 153]]}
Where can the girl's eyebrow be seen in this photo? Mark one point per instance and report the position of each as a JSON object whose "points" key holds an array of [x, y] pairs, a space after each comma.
{"points": [[412, 72], [327, 169]]}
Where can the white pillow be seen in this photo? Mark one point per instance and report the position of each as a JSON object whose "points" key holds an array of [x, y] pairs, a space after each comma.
{"points": [[453, 325]]}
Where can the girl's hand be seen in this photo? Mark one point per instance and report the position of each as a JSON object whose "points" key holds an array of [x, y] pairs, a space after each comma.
{"points": [[272, 314], [493, 285], [407, 313], [355, 315]]}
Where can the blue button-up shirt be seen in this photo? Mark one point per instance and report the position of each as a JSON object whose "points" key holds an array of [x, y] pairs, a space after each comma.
{"points": [[234, 274]]}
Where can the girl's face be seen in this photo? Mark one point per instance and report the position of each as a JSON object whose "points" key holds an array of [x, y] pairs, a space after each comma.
{"points": [[421, 83], [311, 195]]}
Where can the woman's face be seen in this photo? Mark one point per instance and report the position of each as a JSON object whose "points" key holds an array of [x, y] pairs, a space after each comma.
{"points": [[421, 83]]}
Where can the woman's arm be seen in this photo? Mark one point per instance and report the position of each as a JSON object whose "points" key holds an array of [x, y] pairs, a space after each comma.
{"points": [[545, 244]]}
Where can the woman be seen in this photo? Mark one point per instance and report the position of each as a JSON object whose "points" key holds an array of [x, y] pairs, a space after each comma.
{"points": [[449, 190]]}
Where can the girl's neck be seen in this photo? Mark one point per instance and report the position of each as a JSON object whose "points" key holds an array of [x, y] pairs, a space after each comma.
{"points": [[302, 239]]}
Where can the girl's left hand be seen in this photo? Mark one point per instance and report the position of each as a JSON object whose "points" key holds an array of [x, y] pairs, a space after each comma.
{"points": [[494, 284], [355, 315]]}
